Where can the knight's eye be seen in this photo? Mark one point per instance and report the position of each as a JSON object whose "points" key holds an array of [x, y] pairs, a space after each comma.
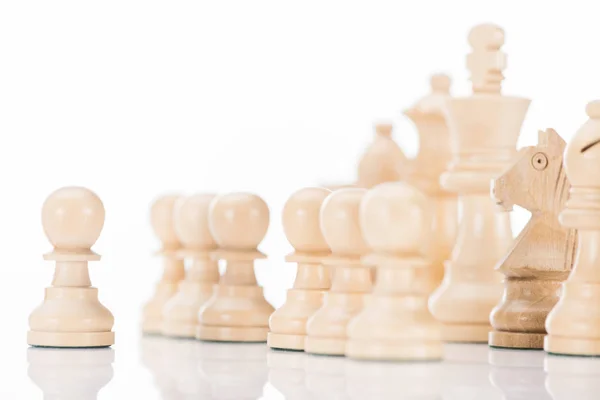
{"points": [[539, 161]]}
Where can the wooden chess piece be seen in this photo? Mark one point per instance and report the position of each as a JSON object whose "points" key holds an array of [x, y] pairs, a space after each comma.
{"points": [[237, 311], [541, 257], [161, 218], [71, 315], [383, 161], [326, 329], [180, 314], [426, 169], [395, 324], [574, 324], [301, 227], [484, 129]]}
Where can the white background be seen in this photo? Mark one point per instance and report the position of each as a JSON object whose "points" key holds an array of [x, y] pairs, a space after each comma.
{"points": [[137, 98]]}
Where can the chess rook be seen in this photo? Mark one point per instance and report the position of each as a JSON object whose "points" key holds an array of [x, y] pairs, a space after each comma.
{"points": [[484, 129], [301, 227], [326, 329], [425, 171], [180, 314], [71, 315], [395, 323], [161, 218], [542, 256], [574, 324], [237, 311]]}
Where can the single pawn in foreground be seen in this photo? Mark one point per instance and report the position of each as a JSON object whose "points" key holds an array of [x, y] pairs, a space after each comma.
{"points": [[301, 226], [71, 315], [395, 323], [574, 324], [161, 218], [237, 311], [484, 129], [326, 329], [180, 314]]}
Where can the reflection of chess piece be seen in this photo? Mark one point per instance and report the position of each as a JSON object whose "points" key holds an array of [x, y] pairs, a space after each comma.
{"points": [[465, 372], [155, 351], [161, 217], [70, 374], [180, 317], [71, 315], [518, 374], [426, 169], [574, 324], [542, 256], [383, 161], [484, 129], [325, 377], [287, 375], [572, 378], [237, 311]]}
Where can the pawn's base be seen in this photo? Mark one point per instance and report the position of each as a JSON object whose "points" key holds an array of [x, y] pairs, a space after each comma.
{"points": [[572, 346], [325, 346], [285, 342], [516, 340], [232, 333], [466, 333], [378, 350], [178, 329], [70, 339]]}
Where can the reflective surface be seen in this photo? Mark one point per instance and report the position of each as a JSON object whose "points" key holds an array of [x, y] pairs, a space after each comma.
{"points": [[185, 369]]}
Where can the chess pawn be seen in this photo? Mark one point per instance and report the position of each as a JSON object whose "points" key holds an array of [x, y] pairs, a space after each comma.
{"points": [[180, 314], [161, 218], [395, 323], [383, 161], [574, 324], [326, 329], [74, 374], [71, 315], [483, 129], [541, 257], [301, 227], [237, 311], [426, 169]]}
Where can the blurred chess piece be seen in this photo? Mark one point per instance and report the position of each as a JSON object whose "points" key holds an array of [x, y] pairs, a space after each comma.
{"points": [[326, 329], [237, 311], [71, 315], [484, 129], [70, 373], [161, 217], [425, 172], [518, 374], [383, 161], [574, 324], [301, 226], [395, 323], [180, 313], [572, 378]]}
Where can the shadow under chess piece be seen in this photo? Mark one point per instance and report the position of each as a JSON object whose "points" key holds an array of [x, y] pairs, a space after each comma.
{"points": [[574, 324], [326, 329], [519, 375], [301, 227], [70, 373], [237, 311], [541, 257], [395, 323], [383, 161], [71, 315], [161, 218], [425, 171], [484, 129], [180, 314]]}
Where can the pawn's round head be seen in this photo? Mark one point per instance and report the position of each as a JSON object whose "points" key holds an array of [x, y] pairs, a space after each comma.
{"points": [[394, 218], [191, 222], [73, 218], [301, 220], [339, 222], [161, 218], [238, 221]]}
